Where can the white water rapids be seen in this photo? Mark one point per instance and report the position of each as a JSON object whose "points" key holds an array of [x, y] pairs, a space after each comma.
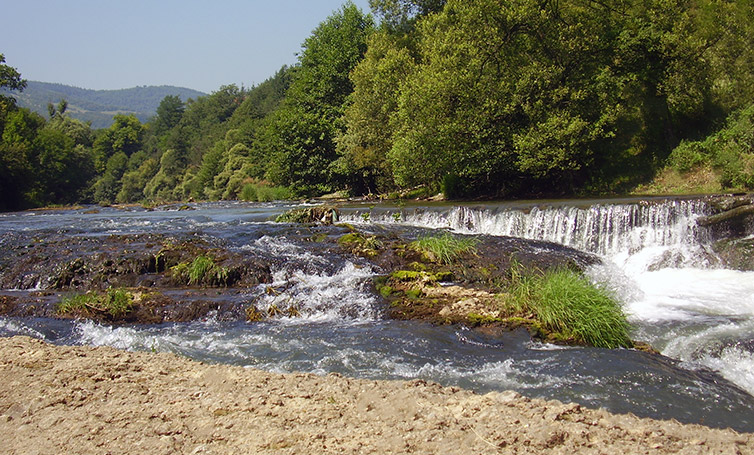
{"points": [[656, 260]]}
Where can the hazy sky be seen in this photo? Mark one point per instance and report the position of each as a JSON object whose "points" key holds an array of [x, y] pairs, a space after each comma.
{"points": [[113, 44]]}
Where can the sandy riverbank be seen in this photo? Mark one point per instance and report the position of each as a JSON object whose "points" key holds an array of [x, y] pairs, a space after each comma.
{"points": [[82, 400]]}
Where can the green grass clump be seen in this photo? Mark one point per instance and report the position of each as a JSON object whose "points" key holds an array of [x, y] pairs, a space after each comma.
{"points": [[566, 302], [445, 248], [201, 271], [116, 303]]}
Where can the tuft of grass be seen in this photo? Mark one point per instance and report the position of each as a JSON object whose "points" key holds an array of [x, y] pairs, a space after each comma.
{"points": [[566, 302], [444, 248], [201, 271], [116, 303]]}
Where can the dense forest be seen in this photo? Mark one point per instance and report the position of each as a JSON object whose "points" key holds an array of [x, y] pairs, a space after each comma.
{"points": [[482, 98]]}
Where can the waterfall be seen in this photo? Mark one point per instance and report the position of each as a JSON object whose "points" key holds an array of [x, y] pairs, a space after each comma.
{"points": [[655, 258], [604, 229]]}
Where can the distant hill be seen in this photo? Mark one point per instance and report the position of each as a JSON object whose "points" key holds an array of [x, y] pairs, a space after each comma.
{"points": [[99, 106]]}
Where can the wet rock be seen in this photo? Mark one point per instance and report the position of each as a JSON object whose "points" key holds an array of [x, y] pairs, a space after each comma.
{"points": [[725, 202], [57, 266], [733, 218], [736, 254], [82, 263], [325, 214], [471, 287]]}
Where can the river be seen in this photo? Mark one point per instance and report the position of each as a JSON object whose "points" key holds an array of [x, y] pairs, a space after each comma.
{"points": [[654, 258]]}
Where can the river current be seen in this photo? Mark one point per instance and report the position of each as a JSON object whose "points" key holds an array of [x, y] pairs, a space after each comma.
{"points": [[655, 259]]}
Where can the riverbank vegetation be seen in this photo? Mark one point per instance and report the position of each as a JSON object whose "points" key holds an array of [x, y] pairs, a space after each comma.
{"points": [[472, 99]]}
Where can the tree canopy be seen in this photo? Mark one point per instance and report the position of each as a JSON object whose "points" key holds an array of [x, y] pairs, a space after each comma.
{"points": [[472, 98]]}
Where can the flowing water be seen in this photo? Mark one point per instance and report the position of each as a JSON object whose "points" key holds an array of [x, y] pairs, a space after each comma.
{"points": [[655, 259]]}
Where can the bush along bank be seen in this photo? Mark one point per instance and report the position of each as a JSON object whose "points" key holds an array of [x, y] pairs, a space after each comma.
{"points": [[495, 282]]}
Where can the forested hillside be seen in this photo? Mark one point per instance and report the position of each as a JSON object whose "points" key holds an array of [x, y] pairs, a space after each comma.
{"points": [[99, 106], [482, 98]]}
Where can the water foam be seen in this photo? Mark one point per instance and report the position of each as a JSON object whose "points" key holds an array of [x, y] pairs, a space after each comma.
{"points": [[656, 260], [322, 296]]}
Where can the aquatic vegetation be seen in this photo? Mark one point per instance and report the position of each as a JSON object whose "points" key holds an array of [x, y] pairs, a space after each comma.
{"points": [[565, 302], [201, 271], [253, 314], [292, 312], [115, 303], [361, 244], [444, 248], [273, 310]]}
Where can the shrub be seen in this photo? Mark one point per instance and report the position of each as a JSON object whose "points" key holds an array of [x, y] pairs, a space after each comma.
{"points": [[730, 151], [257, 192], [687, 156]]}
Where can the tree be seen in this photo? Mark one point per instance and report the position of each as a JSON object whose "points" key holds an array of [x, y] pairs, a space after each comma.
{"points": [[300, 138], [10, 79], [17, 176], [368, 137], [63, 168], [548, 95], [57, 111], [124, 135], [169, 113], [401, 15]]}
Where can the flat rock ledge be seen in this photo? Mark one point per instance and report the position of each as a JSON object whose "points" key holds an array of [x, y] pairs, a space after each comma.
{"points": [[83, 400]]}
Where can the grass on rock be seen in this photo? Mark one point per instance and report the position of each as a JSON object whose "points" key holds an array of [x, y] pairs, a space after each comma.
{"points": [[201, 271], [445, 248], [565, 301], [115, 302]]}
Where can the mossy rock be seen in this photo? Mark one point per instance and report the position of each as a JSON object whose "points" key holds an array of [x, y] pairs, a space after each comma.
{"points": [[325, 214], [362, 245]]}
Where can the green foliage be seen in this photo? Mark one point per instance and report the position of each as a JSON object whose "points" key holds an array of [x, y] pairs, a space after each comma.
{"points": [[115, 303], [364, 145], [259, 192], [40, 162], [729, 151], [10, 79], [527, 96], [566, 302], [202, 271], [169, 113], [124, 135], [491, 97], [318, 214], [363, 245], [299, 138], [445, 248], [401, 15]]}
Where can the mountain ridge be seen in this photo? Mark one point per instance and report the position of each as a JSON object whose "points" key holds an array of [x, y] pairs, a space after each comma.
{"points": [[99, 106]]}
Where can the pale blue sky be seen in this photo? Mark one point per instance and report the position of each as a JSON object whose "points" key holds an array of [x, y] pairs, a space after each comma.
{"points": [[113, 44]]}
